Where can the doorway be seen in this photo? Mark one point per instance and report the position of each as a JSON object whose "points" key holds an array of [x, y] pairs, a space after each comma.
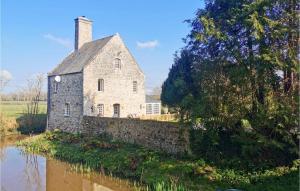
{"points": [[116, 110]]}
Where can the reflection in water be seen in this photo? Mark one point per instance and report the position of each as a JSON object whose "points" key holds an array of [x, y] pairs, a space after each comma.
{"points": [[21, 171]]}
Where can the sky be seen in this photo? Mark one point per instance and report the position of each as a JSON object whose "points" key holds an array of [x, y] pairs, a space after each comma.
{"points": [[36, 35]]}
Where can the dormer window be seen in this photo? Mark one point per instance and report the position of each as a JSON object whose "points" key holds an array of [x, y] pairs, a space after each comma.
{"points": [[117, 64]]}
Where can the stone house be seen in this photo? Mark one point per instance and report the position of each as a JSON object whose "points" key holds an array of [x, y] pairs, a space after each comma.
{"points": [[99, 78]]}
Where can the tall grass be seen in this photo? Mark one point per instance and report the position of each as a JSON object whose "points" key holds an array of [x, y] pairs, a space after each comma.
{"points": [[154, 170], [8, 125]]}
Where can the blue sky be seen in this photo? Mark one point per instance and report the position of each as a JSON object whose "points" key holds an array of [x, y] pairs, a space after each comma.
{"points": [[37, 34]]}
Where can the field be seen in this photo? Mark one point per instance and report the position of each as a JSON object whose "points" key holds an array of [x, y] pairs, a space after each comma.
{"points": [[15, 109]]}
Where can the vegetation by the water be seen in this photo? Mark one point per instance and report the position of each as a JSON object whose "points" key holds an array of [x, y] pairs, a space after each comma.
{"points": [[157, 170], [14, 118], [8, 125]]}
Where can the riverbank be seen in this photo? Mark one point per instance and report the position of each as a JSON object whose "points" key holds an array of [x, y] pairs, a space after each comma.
{"points": [[157, 170]]}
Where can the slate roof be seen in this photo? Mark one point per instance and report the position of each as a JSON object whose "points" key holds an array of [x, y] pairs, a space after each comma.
{"points": [[152, 99], [76, 61]]}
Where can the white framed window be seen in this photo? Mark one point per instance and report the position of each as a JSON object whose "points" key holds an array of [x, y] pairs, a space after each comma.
{"points": [[148, 108], [156, 108], [117, 63], [100, 108], [67, 109], [55, 87], [100, 85], [134, 86]]}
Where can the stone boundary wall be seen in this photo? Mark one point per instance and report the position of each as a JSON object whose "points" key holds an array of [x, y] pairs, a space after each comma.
{"points": [[165, 136]]}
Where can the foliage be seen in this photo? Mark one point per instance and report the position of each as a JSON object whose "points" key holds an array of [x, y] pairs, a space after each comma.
{"points": [[238, 77], [155, 170], [13, 118], [29, 125], [7, 125]]}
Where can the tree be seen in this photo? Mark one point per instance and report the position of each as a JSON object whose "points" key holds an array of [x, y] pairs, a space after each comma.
{"points": [[34, 91], [238, 47], [176, 89], [32, 121]]}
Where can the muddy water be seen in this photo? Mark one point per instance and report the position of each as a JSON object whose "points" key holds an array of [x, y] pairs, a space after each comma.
{"points": [[27, 172]]}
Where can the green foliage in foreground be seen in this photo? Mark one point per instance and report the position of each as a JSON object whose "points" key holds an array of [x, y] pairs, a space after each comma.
{"points": [[157, 170]]}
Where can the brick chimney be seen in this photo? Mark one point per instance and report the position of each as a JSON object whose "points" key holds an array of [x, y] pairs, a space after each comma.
{"points": [[83, 31]]}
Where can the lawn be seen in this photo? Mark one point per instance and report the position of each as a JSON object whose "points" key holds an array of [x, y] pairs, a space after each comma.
{"points": [[15, 109]]}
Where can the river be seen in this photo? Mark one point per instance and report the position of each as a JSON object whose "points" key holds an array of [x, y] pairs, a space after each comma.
{"points": [[21, 171]]}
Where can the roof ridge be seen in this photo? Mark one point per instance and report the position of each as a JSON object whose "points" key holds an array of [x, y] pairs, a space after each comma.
{"points": [[76, 60]]}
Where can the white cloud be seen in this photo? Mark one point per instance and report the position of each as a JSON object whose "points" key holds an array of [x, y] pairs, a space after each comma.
{"points": [[5, 75], [147, 44], [62, 41]]}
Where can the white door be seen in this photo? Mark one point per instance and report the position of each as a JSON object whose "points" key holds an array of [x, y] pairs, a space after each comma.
{"points": [[116, 110]]}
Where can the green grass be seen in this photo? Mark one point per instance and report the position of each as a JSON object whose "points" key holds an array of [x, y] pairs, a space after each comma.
{"points": [[16, 109], [157, 171]]}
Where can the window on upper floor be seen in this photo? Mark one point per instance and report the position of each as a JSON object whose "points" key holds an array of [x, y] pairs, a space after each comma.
{"points": [[67, 109], [117, 63], [100, 85], [100, 108], [134, 86], [55, 87]]}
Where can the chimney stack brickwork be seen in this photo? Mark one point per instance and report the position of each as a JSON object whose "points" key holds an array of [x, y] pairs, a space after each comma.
{"points": [[83, 31]]}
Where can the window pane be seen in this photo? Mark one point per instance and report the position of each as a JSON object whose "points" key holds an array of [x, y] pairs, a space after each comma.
{"points": [[117, 63], [149, 109], [156, 108], [100, 110], [100, 85], [67, 109], [134, 86], [55, 87]]}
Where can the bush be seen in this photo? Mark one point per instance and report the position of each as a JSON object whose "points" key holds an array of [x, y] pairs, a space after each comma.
{"points": [[29, 124], [248, 149]]}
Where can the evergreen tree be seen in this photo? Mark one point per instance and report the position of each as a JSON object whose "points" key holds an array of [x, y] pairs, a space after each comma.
{"points": [[245, 74]]}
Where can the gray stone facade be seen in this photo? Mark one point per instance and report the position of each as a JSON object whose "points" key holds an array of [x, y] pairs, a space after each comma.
{"points": [[73, 85], [69, 90]]}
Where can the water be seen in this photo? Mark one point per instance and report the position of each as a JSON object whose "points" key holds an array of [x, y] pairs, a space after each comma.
{"points": [[27, 172]]}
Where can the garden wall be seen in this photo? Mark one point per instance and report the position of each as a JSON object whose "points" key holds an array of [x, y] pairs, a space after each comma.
{"points": [[165, 136]]}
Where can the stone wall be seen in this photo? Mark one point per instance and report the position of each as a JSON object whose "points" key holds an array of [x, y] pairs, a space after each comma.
{"points": [[69, 91], [118, 83], [164, 136]]}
